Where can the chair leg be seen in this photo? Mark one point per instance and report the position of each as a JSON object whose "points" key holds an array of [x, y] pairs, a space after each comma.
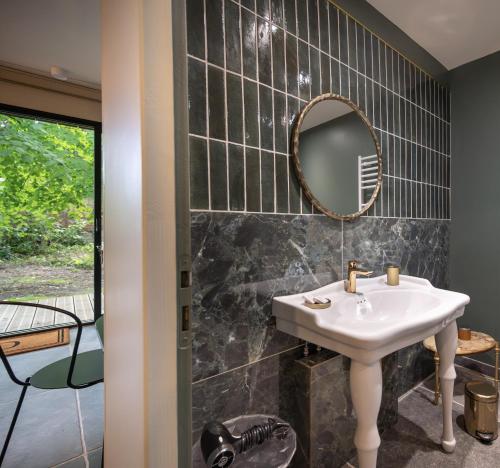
{"points": [[13, 422]]}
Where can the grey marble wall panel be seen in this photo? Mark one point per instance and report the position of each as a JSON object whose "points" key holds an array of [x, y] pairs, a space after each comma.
{"points": [[251, 389], [240, 262], [420, 247], [316, 399]]}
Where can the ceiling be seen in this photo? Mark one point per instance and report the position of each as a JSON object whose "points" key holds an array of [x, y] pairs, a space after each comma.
{"points": [[324, 111], [453, 31], [36, 34]]}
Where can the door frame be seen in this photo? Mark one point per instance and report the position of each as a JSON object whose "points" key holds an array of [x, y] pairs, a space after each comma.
{"points": [[97, 128]]}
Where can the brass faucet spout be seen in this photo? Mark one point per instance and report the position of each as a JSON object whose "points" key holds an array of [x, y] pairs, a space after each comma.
{"points": [[352, 272]]}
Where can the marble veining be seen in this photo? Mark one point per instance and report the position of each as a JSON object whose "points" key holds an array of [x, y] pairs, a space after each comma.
{"points": [[420, 247], [316, 400], [240, 262]]}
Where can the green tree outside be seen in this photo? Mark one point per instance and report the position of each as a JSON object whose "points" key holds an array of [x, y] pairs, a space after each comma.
{"points": [[46, 193]]}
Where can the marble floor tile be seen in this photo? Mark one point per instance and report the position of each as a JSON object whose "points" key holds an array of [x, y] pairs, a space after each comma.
{"points": [[414, 441], [463, 375]]}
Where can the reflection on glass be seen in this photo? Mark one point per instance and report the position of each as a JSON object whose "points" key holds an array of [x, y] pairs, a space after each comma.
{"points": [[338, 157]]}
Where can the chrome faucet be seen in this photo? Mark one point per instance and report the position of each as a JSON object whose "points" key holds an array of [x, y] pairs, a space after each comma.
{"points": [[352, 272]]}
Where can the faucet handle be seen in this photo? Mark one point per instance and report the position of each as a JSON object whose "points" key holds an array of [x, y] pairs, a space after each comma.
{"points": [[352, 264]]}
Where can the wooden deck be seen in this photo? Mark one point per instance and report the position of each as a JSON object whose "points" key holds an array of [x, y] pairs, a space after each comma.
{"points": [[15, 318]]}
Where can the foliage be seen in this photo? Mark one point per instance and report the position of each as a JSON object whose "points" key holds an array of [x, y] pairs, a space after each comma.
{"points": [[46, 185]]}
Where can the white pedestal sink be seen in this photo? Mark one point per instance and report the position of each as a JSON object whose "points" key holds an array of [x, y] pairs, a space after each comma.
{"points": [[366, 326]]}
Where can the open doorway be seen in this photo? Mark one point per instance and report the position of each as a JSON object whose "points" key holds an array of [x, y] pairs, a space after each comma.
{"points": [[50, 218]]}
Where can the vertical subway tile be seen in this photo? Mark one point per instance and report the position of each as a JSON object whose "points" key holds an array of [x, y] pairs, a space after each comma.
{"points": [[368, 55], [376, 105], [218, 175], [281, 162], [382, 64], [266, 117], [324, 40], [216, 103], [279, 69], [293, 112], [353, 86], [383, 108], [251, 113], [294, 188], [291, 65], [360, 49], [369, 99], [390, 112], [351, 43], [232, 25], [344, 50], [344, 80], [267, 178], [334, 30], [248, 36], [280, 122], [375, 58], [252, 160], [290, 16], [215, 33], [264, 51], [401, 100], [313, 22], [277, 12], [195, 32], [197, 97], [390, 71], [325, 74], [307, 207], [236, 178], [304, 75], [315, 72], [234, 108], [335, 75], [198, 163], [264, 8], [250, 4], [302, 22]]}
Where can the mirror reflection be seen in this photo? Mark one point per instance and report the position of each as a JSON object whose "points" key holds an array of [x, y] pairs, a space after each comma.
{"points": [[338, 157]]}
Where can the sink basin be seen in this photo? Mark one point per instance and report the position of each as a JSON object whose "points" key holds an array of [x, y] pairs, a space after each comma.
{"points": [[366, 326], [374, 322]]}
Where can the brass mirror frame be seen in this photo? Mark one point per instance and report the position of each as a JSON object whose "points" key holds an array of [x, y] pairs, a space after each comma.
{"points": [[298, 168]]}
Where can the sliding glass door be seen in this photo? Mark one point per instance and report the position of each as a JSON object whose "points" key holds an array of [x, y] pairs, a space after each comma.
{"points": [[50, 218]]}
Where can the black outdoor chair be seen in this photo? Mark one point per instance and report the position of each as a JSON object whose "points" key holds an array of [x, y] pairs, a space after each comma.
{"points": [[76, 371]]}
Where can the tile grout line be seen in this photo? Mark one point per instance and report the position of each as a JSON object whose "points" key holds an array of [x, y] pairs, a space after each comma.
{"points": [[374, 82], [82, 435], [246, 365]]}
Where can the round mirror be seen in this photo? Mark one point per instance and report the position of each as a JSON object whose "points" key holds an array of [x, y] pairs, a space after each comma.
{"points": [[337, 157]]}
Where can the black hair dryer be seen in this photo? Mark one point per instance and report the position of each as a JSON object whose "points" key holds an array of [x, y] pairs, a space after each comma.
{"points": [[219, 447]]}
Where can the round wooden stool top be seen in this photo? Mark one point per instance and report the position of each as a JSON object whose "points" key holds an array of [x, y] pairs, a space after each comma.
{"points": [[479, 343]]}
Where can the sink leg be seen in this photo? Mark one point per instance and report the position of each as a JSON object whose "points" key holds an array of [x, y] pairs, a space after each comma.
{"points": [[446, 343], [366, 394]]}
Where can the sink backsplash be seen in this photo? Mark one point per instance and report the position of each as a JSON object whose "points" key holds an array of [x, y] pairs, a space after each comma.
{"points": [[254, 234]]}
